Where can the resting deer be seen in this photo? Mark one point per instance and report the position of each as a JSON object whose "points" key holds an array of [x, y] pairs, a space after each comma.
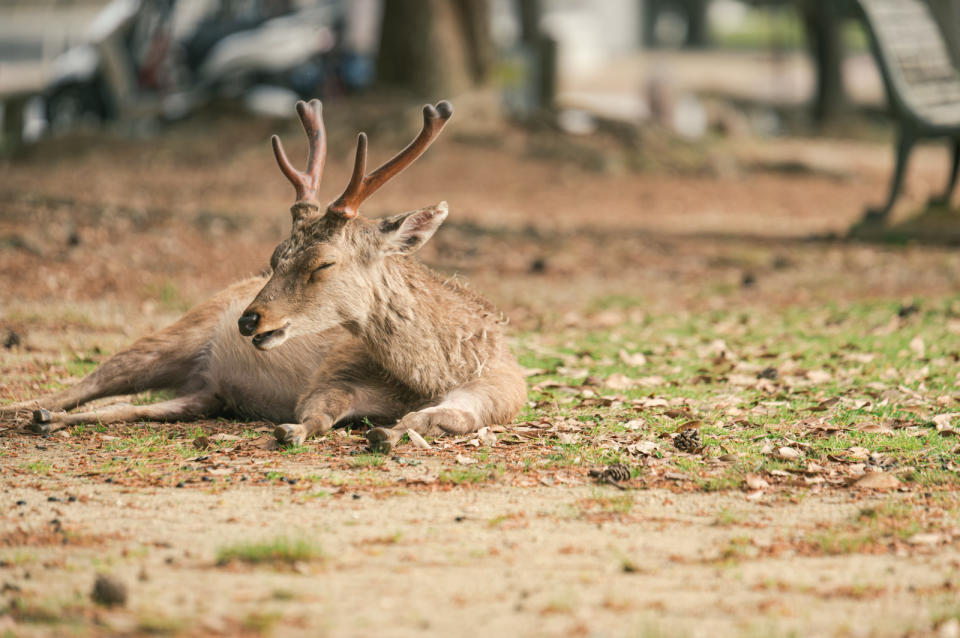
{"points": [[345, 326]]}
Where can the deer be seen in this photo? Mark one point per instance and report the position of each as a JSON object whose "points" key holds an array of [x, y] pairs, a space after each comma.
{"points": [[345, 325]]}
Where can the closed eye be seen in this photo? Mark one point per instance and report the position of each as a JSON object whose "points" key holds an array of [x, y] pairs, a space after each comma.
{"points": [[319, 268]]}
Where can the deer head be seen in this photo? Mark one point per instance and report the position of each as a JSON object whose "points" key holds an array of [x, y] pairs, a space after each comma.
{"points": [[330, 270]]}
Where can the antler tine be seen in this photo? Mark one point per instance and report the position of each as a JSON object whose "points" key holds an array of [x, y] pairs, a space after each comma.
{"points": [[306, 183], [362, 186]]}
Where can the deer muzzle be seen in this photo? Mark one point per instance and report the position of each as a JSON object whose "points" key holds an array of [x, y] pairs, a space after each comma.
{"points": [[248, 323], [265, 336]]}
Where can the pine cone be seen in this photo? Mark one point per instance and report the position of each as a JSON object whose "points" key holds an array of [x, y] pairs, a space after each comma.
{"points": [[688, 441], [613, 474]]}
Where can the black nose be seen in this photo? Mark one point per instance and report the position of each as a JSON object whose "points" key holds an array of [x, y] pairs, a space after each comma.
{"points": [[248, 323]]}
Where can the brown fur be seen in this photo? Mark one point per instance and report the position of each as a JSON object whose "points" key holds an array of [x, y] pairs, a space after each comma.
{"points": [[432, 352], [348, 325]]}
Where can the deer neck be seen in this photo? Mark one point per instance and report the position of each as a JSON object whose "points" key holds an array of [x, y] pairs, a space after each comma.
{"points": [[429, 334]]}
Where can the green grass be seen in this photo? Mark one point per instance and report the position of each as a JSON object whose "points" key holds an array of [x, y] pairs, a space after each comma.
{"points": [[470, 474], [81, 366], [276, 551], [37, 467], [154, 396], [839, 368], [367, 460]]}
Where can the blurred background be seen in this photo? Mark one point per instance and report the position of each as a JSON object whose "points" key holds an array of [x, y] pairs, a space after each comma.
{"points": [[675, 154]]}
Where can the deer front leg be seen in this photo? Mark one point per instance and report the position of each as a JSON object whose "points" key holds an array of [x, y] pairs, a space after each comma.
{"points": [[317, 413], [494, 399], [187, 407]]}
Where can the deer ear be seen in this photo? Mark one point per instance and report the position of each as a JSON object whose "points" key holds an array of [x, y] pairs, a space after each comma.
{"points": [[407, 232]]}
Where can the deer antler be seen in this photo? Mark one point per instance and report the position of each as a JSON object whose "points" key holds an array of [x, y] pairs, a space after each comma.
{"points": [[362, 186], [306, 183]]}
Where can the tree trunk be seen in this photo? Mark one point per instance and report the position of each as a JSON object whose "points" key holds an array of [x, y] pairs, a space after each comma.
{"points": [[435, 48]]}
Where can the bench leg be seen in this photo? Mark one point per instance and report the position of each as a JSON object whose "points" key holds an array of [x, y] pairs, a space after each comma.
{"points": [[944, 200], [905, 142]]}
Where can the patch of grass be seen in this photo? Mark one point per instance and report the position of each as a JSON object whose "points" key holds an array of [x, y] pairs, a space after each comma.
{"points": [[156, 624], [599, 501], [261, 622], [81, 366], [726, 518], [37, 467], [168, 295], [367, 460], [293, 450], [835, 377], [154, 396], [283, 594], [277, 551], [736, 549], [469, 474]]}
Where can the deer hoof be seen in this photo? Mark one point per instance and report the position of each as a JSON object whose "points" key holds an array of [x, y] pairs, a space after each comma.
{"points": [[380, 440], [41, 421], [292, 434]]}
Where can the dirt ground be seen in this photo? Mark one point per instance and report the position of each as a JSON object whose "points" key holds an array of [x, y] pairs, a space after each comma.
{"points": [[102, 240]]}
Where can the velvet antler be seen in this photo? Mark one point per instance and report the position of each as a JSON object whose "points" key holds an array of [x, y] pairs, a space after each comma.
{"points": [[362, 185], [306, 183]]}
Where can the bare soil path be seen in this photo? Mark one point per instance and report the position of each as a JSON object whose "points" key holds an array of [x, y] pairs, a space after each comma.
{"points": [[213, 532]]}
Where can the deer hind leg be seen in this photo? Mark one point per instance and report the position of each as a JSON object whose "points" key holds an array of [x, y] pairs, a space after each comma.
{"points": [[495, 398], [167, 359], [187, 407]]}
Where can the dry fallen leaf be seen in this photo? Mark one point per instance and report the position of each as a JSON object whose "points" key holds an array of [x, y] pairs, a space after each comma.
{"points": [[818, 376], [487, 437], [417, 440], [650, 382], [635, 359], [876, 428], [858, 453], [756, 482], [878, 481], [788, 453], [465, 460], [619, 381], [643, 448], [223, 436], [918, 347], [942, 421], [825, 405], [926, 539], [268, 442]]}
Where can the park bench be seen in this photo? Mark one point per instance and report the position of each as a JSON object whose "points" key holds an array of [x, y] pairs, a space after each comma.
{"points": [[923, 85], [15, 93]]}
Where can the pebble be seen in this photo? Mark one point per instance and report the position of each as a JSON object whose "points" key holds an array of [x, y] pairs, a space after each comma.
{"points": [[109, 591]]}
